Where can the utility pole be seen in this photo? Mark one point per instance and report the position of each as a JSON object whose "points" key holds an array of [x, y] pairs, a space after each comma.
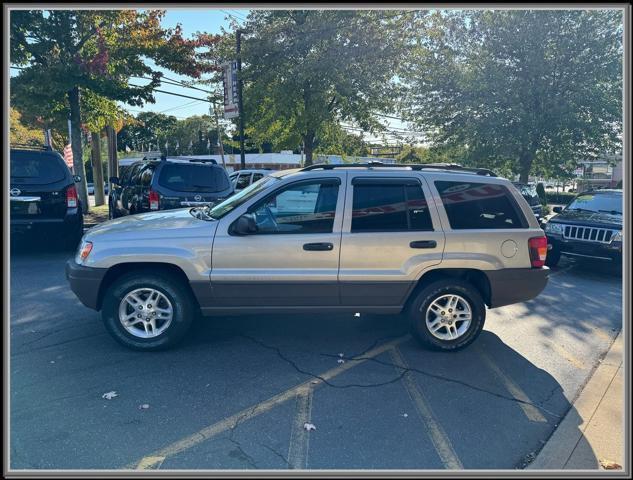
{"points": [[217, 126], [240, 103]]}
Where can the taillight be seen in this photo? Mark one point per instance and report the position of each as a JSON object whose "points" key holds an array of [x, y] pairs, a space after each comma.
{"points": [[538, 251], [71, 197], [153, 200]]}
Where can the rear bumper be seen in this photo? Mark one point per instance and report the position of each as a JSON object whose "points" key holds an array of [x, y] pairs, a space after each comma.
{"points": [[516, 285], [85, 282], [599, 251], [24, 225]]}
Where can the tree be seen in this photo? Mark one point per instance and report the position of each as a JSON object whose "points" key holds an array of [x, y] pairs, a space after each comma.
{"points": [[148, 128], [304, 69], [19, 133], [518, 89], [98, 51]]}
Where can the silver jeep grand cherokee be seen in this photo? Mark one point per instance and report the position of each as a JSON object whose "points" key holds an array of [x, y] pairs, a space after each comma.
{"points": [[436, 242]]}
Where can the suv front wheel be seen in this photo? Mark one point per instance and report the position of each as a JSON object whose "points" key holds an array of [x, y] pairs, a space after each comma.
{"points": [[148, 311], [447, 315]]}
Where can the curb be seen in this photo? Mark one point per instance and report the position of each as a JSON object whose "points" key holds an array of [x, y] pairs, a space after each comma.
{"points": [[562, 443]]}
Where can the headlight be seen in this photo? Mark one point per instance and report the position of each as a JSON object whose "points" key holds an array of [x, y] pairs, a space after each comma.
{"points": [[556, 228], [617, 237], [84, 250]]}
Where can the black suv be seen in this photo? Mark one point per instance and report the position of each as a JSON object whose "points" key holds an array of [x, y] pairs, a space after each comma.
{"points": [[43, 196], [162, 184], [528, 191], [588, 227]]}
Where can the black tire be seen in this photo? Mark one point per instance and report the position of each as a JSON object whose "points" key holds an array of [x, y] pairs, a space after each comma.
{"points": [[179, 295], [553, 256], [417, 314]]}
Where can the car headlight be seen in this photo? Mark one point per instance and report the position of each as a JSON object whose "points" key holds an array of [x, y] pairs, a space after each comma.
{"points": [[556, 228], [617, 237], [83, 251]]}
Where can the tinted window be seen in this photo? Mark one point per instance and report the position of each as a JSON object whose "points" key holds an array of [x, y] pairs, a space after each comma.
{"points": [[389, 207], [146, 175], [257, 176], [479, 205], [243, 181], [303, 208], [193, 178], [36, 168], [134, 174]]}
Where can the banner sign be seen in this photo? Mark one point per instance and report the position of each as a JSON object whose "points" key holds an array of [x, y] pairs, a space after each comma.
{"points": [[231, 109]]}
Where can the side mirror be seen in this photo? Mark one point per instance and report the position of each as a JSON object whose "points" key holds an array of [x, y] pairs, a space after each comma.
{"points": [[77, 178], [245, 225], [114, 180], [557, 209]]}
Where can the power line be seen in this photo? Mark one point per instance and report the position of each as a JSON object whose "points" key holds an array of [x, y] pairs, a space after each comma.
{"points": [[177, 94]]}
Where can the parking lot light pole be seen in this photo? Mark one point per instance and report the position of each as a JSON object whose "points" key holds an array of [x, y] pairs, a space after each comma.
{"points": [[240, 103]]}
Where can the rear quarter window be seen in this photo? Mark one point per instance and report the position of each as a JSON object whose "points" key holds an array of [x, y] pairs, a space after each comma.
{"points": [[193, 178], [37, 168], [475, 205]]}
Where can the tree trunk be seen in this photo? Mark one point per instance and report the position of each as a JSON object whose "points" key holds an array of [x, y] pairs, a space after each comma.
{"points": [[78, 163], [97, 169], [525, 165], [113, 162], [308, 142]]}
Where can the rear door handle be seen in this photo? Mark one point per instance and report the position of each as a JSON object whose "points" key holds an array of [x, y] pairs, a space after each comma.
{"points": [[321, 246], [423, 244]]}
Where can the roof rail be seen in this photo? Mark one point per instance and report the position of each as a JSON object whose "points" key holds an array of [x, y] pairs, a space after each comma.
{"points": [[32, 147], [202, 160], [413, 166]]}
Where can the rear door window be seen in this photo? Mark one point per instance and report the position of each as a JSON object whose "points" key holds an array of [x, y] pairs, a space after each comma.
{"points": [[36, 168], [389, 207], [257, 176], [193, 178], [243, 181], [474, 205]]}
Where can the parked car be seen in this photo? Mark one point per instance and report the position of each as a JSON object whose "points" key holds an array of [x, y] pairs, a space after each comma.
{"points": [[437, 243], [528, 191], [590, 226], [241, 179], [152, 184], [91, 188], [43, 197]]}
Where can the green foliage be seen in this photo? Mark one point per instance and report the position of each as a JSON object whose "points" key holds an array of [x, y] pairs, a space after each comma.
{"points": [[305, 70], [522, 90]]}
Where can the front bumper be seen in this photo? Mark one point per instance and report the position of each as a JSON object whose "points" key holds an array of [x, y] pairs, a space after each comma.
{"points": [[85, 282], [516, 285], [600, 251]]}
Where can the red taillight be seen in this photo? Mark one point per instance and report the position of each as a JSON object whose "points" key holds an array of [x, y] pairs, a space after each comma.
{"points": [[153, 200], [538, 251], [71, 197]]}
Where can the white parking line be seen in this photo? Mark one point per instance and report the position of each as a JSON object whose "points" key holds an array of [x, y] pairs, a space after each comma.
{"points": [[440, 440], [299, 436]]}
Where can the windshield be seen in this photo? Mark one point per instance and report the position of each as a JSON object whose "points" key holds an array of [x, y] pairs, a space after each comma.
{"points": [[529, 193], [598, 202], [221, 209]]}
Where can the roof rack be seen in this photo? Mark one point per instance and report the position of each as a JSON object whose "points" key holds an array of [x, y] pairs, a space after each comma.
{"points": [[32, 147], [202, 160], [413, 166]]}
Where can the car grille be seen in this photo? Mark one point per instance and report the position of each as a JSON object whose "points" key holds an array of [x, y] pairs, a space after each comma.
{"points": [[589, 234]]}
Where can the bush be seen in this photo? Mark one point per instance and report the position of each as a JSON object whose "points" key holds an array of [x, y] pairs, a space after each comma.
{"points": [[560, 198]]}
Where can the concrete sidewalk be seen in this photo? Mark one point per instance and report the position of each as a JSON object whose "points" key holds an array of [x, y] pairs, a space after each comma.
{"points": [[591, 436]]}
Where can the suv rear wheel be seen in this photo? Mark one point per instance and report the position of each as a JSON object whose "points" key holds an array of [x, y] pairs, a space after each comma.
{"points": [[148, 311], [447, 315]]}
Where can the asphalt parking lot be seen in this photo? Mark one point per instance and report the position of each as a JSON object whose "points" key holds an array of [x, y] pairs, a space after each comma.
{"points": [[238, 392]]}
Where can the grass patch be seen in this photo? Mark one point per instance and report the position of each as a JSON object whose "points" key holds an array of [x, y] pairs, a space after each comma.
{"points": [[96, 214]]}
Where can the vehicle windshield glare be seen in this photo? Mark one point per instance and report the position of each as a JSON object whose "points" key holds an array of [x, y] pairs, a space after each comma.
{"points": [[598, 202], [228, 205]]}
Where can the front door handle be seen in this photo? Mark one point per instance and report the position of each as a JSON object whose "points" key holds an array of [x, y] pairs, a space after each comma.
{"points": [[320, 246], [423, 244]]}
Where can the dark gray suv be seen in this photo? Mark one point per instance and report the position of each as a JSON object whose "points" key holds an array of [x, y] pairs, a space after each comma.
{"points": [[163, 184]]}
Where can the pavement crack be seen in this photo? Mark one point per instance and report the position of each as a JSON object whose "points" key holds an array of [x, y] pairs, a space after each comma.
{"points": [[549, 396], [279, 454], [281, 355]]}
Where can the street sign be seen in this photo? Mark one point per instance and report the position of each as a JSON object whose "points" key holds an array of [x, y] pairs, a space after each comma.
{"points": [[68, 156], [231, 109]]}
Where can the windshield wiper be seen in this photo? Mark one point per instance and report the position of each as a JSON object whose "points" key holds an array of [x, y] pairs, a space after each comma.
{"points": [[581, 209], [612, 212]]}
